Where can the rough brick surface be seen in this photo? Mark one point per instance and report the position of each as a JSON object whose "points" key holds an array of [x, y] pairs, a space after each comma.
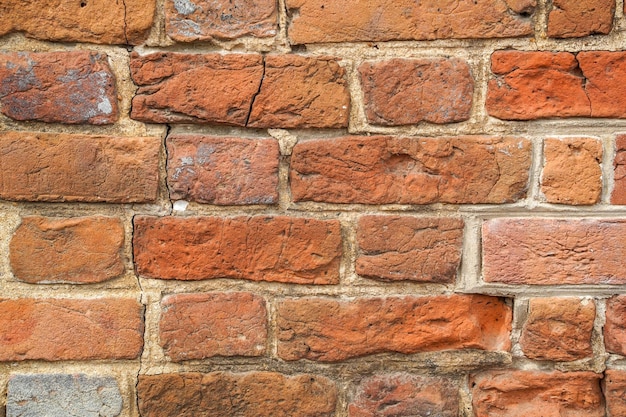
{"points": [[191, 20], [64, 87], [577, 18], [571, 171], [198, 326], [222, 171], [331, 330], [260, 248], [409, 248], [558, 329], [287, 91], [121, 22], [402, 91], [615, 392], [615, 327], [80, 250], [301, 92], [534, 85], [195, 88], [315, 21], [255, 394], [511, 393], [390, 170], [399, 395], [63, 395], [552, 252], [63, 167], [618, 195], [67, 329]]}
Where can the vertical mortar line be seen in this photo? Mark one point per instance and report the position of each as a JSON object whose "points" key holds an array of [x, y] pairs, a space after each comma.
{"points": [[285, 200], [521, 307], [608, 171], [535, 196], [619, 13], [343, 386], [347, 273], [357, 122], [541, 22], [465, 397], [283, 22], [271, 303], [468, 279], [597, 336], [482, 67]]}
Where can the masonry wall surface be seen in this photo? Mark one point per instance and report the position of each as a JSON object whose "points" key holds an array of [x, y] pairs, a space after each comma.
{"points": [[313, 208]]}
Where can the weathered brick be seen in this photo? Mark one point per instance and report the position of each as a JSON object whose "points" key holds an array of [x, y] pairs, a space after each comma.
{"points": [[402, 394], [242, 90], [618, 196], [615, 327], [403, 91], [394, 170], [255, 394], [221, 170], [198, 326], [195, 88], [301, 92], [614, 388], [63, 395], [80, 250], [121, 22], [63, 87], [68, 329], [409, 248], [571, 171], [558, 329], [331, 330], [259, 248], [553, 252], [64, 167], [511, 393], [314, 21], [577, 18], [204, 20], [534, 85]]}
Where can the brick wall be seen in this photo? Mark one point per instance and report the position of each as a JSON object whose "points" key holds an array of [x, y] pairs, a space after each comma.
{"points": [[312, 208]]}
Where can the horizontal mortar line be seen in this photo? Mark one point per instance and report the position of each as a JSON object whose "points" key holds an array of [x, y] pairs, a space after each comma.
{"points": [[524, 291]]}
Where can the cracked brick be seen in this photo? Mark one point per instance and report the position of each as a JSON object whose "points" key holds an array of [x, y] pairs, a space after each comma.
{"points": [[328, 330], [554, 252], [396, 170], [63, 87], [315, 21], [120, 22], [258, 248]]}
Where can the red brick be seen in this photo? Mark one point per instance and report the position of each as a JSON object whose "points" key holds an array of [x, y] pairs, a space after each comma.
{"points": [[397, 395], [80, 250], [198, 326], [301, 92], [120, 22], [553, 252], [511, 393], [571, 171], [618, 196], [254, 394], [331, 330], [222, 171], [64, 167], [65, 329], [535, 85], [242, 90], [394, 170], [195, 88], [403, 92], [204, 20], [615, 327], [314, 21], [558, 329], [409, 248], [614, 387], [58, 87], [577, 18], [259, 248]]}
